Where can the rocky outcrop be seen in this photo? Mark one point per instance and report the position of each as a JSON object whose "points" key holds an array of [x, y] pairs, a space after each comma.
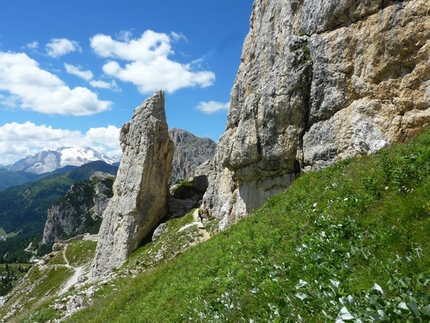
{"points": [[190, 152], [141, 188], [81, 209], [319, 81], [187, 195]]}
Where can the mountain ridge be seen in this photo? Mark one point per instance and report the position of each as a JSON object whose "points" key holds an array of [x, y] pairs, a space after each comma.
{"points": [[50, 160], [190, 152], [23, 208]]}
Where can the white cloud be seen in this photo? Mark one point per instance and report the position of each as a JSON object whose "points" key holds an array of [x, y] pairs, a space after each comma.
{"points": [[32, 88], [77, 70], [61, 46], [108, 137], [21, 140], [88, 76], [105, 85], [149, 66], [33, 45], [177, 36], [212, 106]]}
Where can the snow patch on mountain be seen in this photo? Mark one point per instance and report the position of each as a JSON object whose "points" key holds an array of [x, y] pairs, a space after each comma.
{"points": [[50, 160]]}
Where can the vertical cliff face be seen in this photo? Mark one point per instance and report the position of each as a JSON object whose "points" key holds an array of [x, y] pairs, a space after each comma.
{"points": [[190, 152], [141, 188], [319, 81], [80, 211]]}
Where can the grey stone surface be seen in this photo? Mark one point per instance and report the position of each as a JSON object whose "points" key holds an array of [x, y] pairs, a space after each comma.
{"points": [[319, 81], [141, 189], [190, 152], [82, 206]]}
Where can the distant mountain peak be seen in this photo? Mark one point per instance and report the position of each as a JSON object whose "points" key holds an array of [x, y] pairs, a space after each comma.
{"points": [[49, 160]]}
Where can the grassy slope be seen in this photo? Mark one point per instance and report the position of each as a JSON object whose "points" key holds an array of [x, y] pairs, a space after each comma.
{"points": [[349, 242], [31, 299]]}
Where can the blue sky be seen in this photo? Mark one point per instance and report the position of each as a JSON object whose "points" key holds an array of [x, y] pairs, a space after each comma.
{"points": [[72, 72]]}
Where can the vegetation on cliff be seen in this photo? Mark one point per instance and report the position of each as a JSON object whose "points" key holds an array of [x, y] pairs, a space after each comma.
{"points": [[23, 208], [348, 243]]}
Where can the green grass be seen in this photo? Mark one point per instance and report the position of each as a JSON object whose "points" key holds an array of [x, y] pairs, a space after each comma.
{"points": [[349, 243], [3, 233], [172, 243], [80, 252], [41, 285], [39, 288]]}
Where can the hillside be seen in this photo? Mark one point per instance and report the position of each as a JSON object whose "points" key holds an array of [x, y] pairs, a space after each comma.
{"points": [[346, 244], [23, 208], [10, 178], [79, 211]]}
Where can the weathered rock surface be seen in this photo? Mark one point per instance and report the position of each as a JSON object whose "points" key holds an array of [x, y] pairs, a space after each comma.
{"points": [[190, 152], [141, 188], [187, 195], [80, 211], [319, 81]]}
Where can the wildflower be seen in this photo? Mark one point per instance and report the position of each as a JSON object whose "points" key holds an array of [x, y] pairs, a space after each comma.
{"points": [[345, 199], [393, 227]]}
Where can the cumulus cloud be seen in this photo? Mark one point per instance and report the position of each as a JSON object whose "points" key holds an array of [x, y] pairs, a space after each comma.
{"points": [[19, 140], [108, 137], [77, 70], [61, 46], [212, 106], [149, 66], [32, 88]]}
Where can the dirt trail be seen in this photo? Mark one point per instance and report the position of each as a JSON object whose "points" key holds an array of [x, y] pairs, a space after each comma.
{"points": [[206, 235], [65, 257], [79, 271]]}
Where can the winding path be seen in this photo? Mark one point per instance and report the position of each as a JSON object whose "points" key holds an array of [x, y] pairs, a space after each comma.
{"points": [[201, 226], [79, 271]]}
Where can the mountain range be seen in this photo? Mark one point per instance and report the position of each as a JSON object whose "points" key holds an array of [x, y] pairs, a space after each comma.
{"points": [[190, 152], [23, 208], [50, 160], [34, 184]]}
